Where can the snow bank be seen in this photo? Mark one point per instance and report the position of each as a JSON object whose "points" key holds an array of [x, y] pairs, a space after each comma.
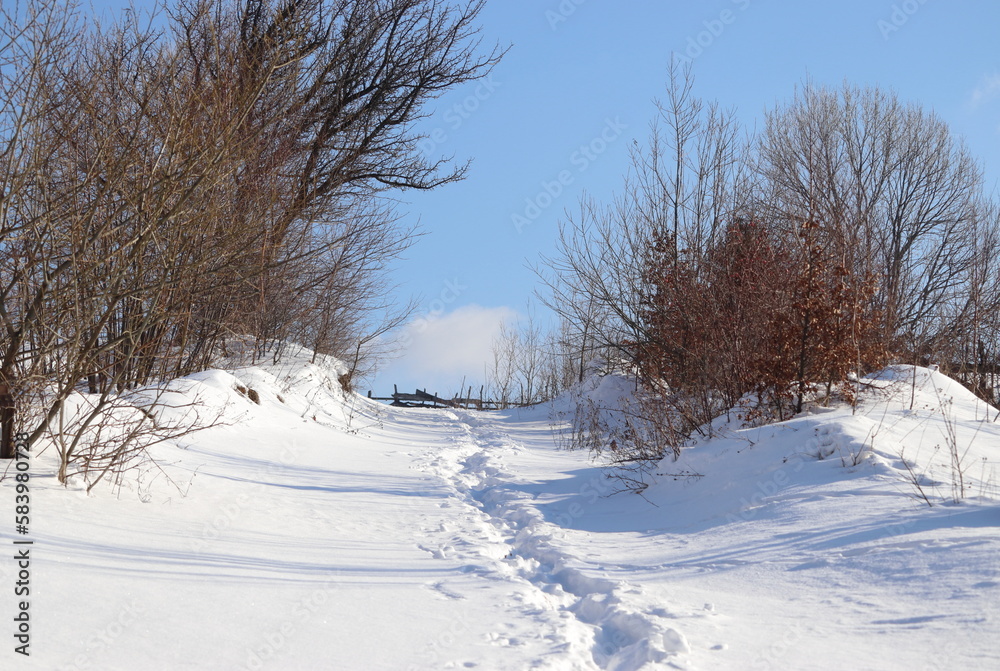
{"points": [[926, 431], [314, 529]]}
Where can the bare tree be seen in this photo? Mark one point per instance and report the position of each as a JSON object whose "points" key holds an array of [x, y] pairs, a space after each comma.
{"points": [[895, 191], [529, 364], [678, 198], [168, 189]]}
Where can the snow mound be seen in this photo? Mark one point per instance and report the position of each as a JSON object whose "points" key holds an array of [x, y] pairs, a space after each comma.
{"points": [[314, 528], [914, 425]]}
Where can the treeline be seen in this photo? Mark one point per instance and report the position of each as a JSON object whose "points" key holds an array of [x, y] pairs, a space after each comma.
{"points": [[530, 364], [850, 231], [172, 184]]}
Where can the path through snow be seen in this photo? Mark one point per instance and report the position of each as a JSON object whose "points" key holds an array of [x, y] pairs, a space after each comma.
{"points": [[582, 615]]}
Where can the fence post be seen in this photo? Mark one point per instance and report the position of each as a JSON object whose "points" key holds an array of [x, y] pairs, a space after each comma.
{"points": [[6, 423]]}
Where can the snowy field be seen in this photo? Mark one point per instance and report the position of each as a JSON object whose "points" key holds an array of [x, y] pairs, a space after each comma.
{"points": [[317, 532]]}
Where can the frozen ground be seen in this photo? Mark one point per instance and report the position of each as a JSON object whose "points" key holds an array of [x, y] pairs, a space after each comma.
{"points": [[318, 533]]}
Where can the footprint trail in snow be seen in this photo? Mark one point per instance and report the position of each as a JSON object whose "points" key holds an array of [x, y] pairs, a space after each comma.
{"points": [[504, 537]]}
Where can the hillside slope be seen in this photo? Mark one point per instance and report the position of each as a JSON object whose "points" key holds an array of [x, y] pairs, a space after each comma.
{"points": [[324, 531]]}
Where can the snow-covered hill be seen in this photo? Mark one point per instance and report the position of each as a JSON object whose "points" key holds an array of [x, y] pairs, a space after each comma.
{"points": [[319, 531]]}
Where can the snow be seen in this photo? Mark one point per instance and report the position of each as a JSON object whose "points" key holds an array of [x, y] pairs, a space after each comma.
{"points": [[318, 530]]}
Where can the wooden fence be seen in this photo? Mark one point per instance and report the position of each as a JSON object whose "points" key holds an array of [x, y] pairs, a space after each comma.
{"points": [[423, 399]]}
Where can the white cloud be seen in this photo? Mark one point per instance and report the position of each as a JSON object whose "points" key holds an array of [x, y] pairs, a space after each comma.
{"points": [[445, 348], [987, 90]]}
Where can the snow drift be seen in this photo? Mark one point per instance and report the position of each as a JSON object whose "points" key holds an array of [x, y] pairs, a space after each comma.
{"points": [[317, 529]]}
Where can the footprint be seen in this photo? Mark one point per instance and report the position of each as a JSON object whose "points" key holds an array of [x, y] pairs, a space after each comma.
{"points": [[438, 553], [439, 588]]}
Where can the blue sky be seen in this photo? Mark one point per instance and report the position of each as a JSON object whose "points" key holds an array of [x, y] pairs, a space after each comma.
{"points": [[577, 88]]}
